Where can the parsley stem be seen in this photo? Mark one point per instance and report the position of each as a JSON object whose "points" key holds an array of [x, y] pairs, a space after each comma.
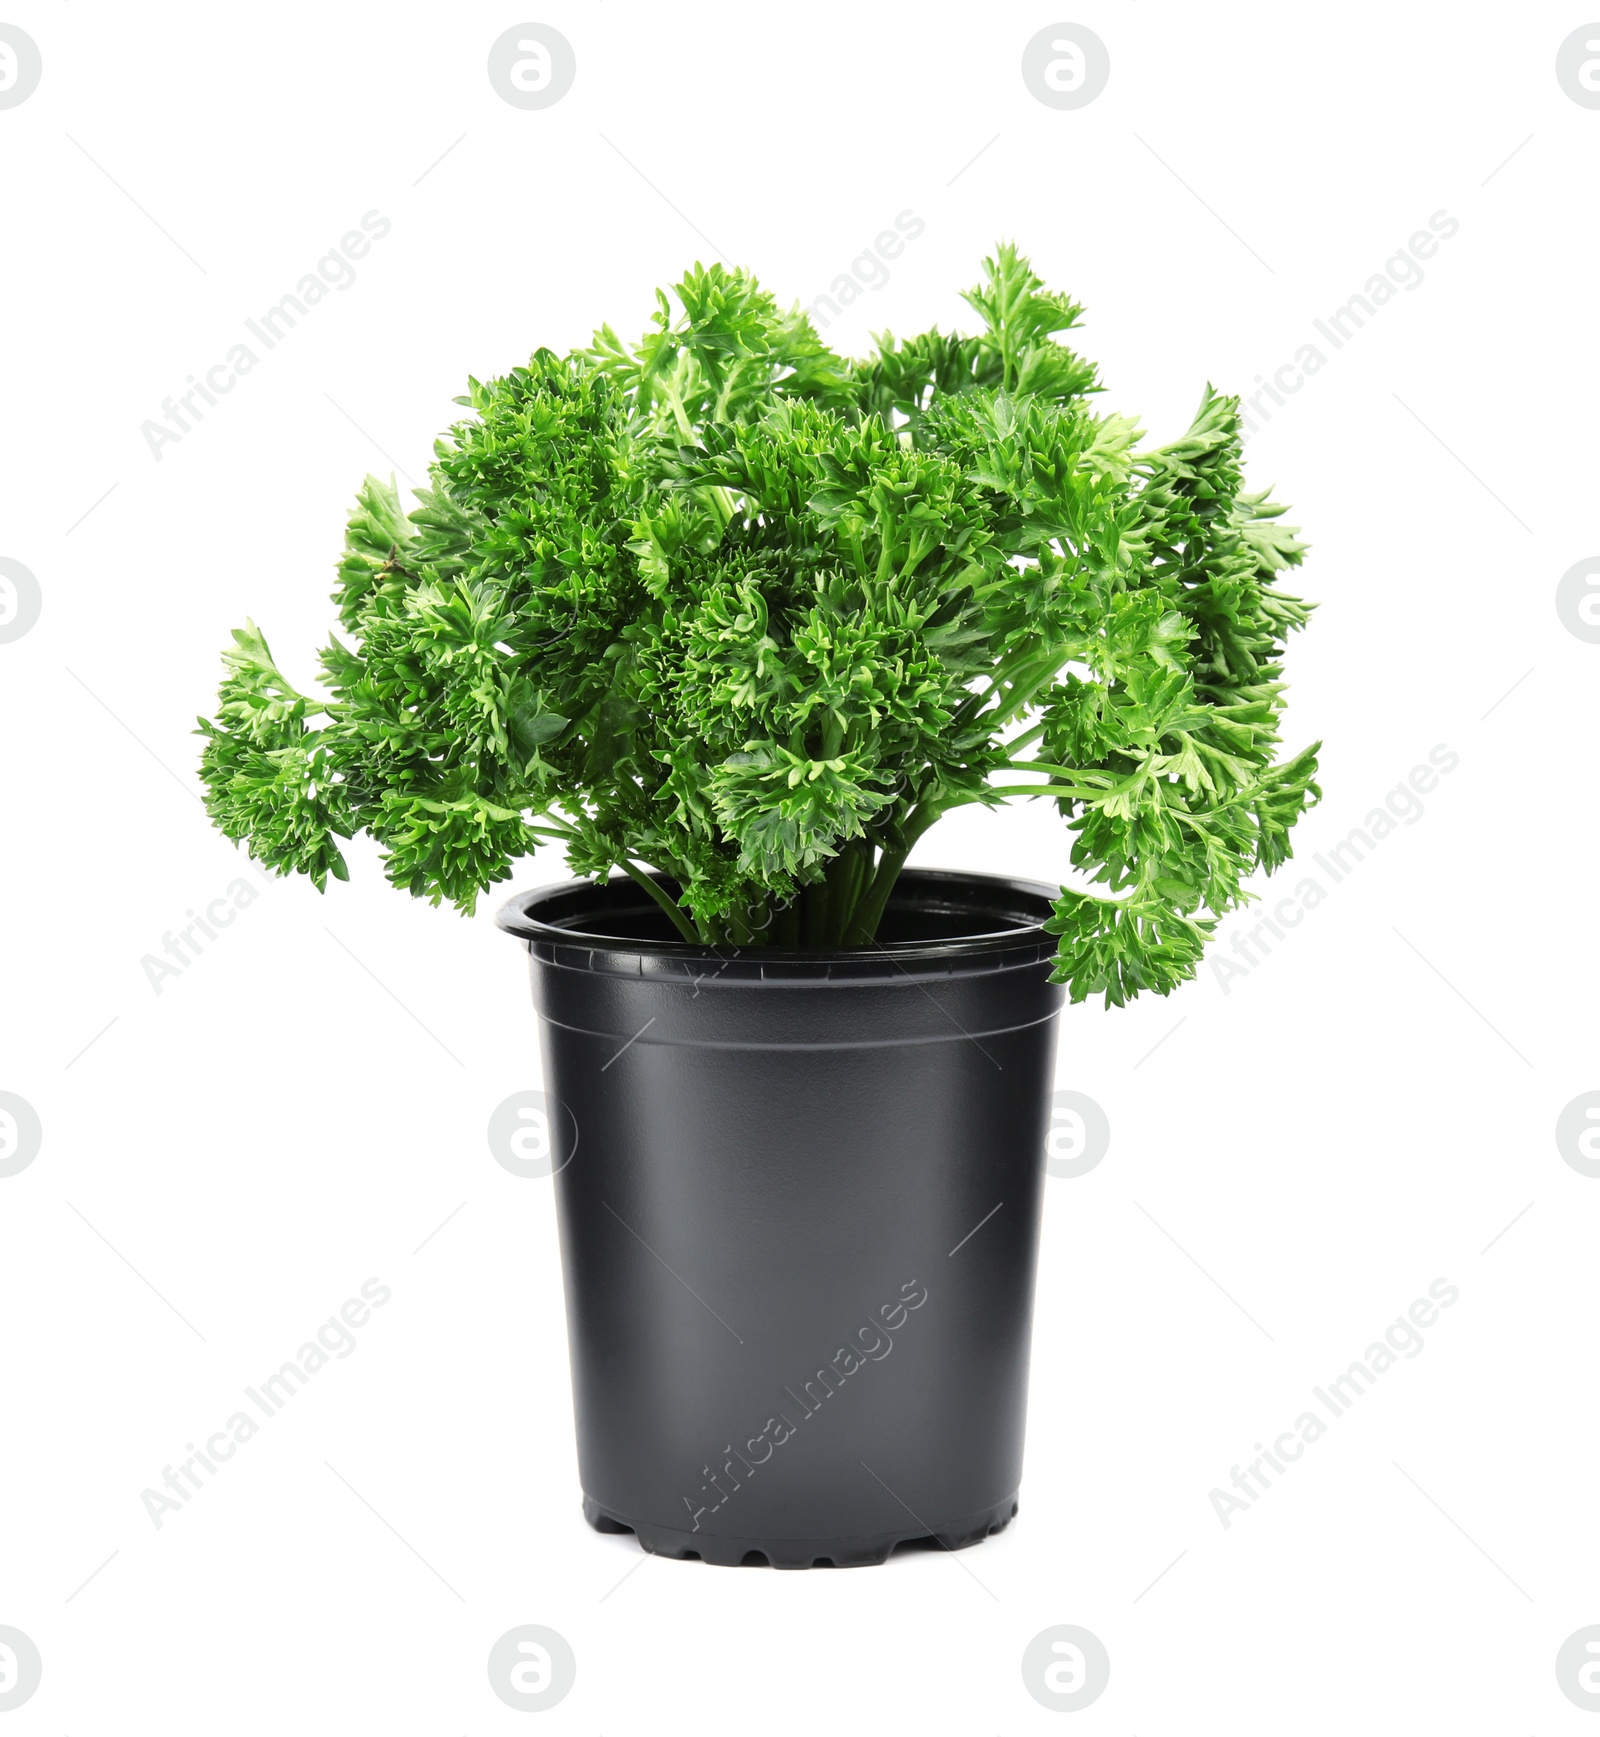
{"points": [[679, 921]]}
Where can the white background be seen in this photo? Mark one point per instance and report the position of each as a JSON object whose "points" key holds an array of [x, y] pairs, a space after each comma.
{"points": [[1362, 1113]]}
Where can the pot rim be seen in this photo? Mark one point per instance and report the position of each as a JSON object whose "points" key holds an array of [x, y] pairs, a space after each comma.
{"points": [[993, 892]]}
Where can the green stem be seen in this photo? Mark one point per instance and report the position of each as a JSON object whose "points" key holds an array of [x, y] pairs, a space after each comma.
{"points": [[815, 915], [1007, 675], [854, 875], [974, 703], [1071, 790], [863, 925], [869, 912], [679, 921], [1044, 766], [1019, 698], [1026, 737]]}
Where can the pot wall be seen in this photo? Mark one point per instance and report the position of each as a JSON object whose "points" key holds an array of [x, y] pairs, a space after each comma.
{"points": [[799, 1208]]}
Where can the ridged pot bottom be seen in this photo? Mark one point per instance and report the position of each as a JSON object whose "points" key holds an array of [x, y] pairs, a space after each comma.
{"points": [[862, 1551]]}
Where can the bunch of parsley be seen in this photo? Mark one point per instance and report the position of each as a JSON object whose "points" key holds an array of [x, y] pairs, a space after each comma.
{"points": [[729, 607]]}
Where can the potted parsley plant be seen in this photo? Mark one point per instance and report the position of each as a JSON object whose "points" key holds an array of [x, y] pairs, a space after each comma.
{"points": [[735, 621]]}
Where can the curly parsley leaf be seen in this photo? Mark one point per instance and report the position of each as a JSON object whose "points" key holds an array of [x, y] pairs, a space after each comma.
{"points": [[724, 605]]}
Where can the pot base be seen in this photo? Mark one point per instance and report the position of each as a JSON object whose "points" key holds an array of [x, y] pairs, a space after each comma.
{"points": [[861, 1551]]}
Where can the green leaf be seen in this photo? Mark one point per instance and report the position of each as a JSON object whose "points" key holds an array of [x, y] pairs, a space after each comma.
{"points": [[725, 605]]}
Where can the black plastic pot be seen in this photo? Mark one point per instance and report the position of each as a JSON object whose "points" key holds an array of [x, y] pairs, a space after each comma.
{"points": [[799, 1206]]}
